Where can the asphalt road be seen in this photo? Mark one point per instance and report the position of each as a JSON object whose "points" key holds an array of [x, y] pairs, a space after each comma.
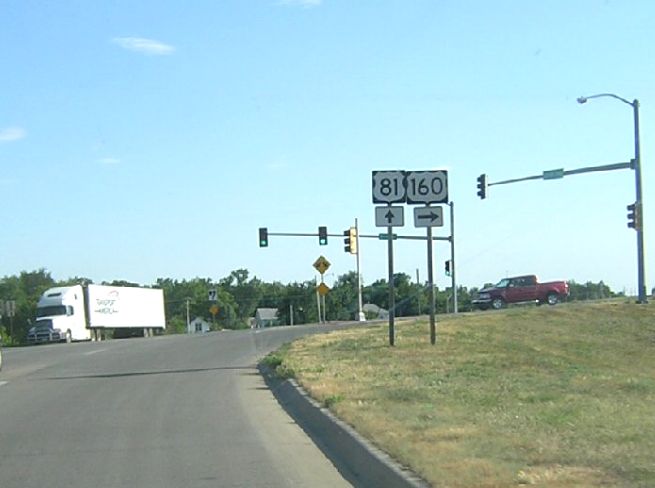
{"points": [[175, 411]]}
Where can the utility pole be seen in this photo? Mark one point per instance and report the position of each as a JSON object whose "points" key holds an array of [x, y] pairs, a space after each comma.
{"points": [[418, 287], [452, 255], [188, 323]]}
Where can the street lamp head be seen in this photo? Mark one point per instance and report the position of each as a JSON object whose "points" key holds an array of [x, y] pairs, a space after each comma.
{"points": [[582, 99]]}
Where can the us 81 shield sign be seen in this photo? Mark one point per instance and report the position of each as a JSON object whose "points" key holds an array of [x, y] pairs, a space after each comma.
{"points": [[388, 186]]}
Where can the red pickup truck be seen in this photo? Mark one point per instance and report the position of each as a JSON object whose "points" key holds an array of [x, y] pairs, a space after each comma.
{"points": [[521, 289]]}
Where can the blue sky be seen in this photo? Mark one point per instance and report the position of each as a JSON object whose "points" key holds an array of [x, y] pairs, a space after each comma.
{"points": [[152, 139]]}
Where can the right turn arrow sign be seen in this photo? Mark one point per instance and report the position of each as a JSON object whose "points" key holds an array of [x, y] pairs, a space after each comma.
{"points": [[428, 216]]}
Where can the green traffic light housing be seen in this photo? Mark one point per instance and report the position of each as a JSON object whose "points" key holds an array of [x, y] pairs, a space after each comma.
{"points": [[482, 186], [322, 236], [263, 237]]}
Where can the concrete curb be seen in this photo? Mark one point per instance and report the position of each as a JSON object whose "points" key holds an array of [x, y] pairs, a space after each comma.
{"points": [[358, 461]]}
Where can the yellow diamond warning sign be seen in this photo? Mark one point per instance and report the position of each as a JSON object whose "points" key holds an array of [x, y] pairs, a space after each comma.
{"points": [[323, 289], [321, 265]]}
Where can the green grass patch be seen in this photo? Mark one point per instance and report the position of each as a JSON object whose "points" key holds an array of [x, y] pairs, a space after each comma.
{"points": [[545, 396], [275, 361]]}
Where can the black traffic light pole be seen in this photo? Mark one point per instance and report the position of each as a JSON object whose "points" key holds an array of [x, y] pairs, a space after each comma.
{"points": [[635, 218]]}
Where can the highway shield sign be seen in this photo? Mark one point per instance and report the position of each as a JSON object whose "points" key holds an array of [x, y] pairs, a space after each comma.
{"points": [[427, 186], [389, 186]]}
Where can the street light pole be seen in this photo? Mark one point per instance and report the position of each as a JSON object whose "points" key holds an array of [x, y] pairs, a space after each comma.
{"points": [[641, 270], [639, 227]]}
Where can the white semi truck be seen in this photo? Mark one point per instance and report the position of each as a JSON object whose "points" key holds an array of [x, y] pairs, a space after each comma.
{"points": [[79, 313]]}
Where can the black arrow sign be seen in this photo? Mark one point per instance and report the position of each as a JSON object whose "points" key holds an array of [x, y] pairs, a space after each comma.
{"points": [[431, 216], [389, 216]]}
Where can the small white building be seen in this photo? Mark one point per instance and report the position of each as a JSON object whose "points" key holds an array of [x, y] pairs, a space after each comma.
{"points": [[372, 310], [198, 326], [266, 317]]}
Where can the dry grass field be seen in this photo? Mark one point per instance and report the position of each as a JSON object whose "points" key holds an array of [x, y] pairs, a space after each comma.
{"points": [[558, 396]]}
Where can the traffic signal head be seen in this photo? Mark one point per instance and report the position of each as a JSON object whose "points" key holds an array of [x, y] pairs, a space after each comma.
{"points": [[447, 267], [350, 240], [322, 236], [482, 186], [634, 216], [263, 237]]}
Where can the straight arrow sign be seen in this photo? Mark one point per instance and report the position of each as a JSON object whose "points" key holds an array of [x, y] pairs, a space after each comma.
{"points": [[389, 216], [428, 216]]}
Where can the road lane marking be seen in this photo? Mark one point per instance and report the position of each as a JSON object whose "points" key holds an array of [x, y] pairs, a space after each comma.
{"points": [[93, 352], [2, 383]]}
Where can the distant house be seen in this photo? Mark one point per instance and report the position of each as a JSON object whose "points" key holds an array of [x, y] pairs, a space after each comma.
{"points": [[266, 317], [198, 326], [373, 311]]}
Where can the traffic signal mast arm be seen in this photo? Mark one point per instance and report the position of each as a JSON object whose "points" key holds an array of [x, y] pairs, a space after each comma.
{"points": [[367, 236], [384, 235], [322, 235], [300, 234], [560, 173]]}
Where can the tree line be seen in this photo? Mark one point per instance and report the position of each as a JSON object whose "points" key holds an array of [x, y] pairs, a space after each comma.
{"points": [[239, 295]]}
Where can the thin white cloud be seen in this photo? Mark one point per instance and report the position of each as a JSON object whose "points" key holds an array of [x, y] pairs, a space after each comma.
{"points": [[109, 160], [301, 3], [12, 134], [277, 166], [144, 46]]}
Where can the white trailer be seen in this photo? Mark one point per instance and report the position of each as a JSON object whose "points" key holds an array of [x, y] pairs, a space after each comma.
{"points": [[125, 309], [77, 313]]}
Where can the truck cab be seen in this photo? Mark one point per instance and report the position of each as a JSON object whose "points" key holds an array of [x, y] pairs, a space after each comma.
{"points": [[60, 315], [521, 289]]}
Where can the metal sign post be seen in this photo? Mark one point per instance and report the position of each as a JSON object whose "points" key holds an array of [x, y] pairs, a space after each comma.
{"points": [[388, 188], [321, 265], [390, 217], [10, 309], [412, 187], [392, 290], [428, 187], [433, 320]]}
